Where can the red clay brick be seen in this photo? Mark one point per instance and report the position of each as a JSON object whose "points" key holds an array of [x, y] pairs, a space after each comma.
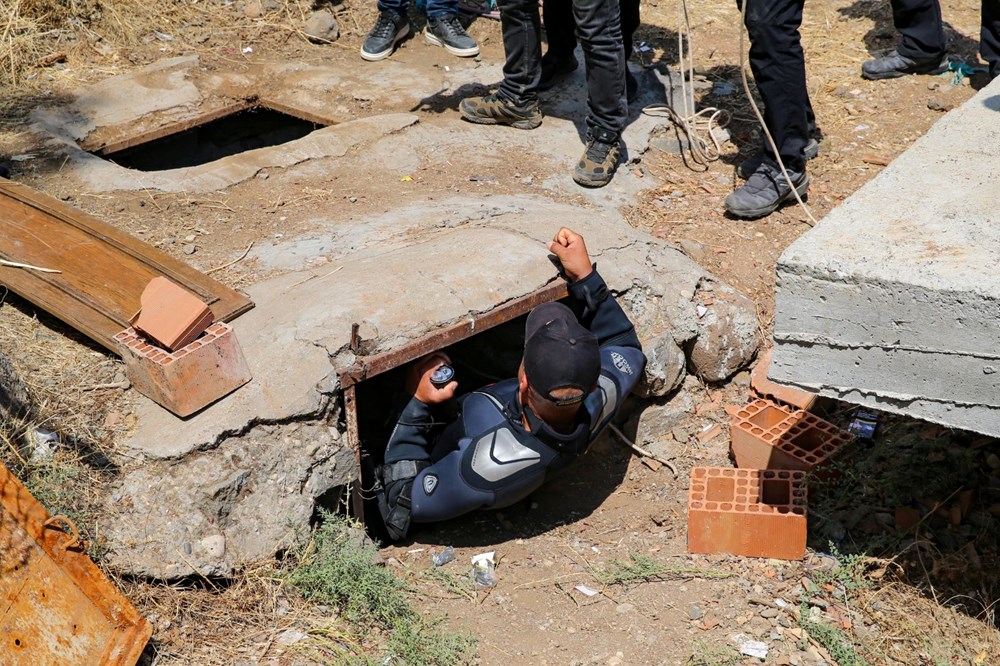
{"points": [[747, 512], [170, 315], [766, 435], [787, 395], [190, 378]]}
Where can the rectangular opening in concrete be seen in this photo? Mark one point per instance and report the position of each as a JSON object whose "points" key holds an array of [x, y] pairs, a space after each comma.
{"points": [[211, 136], [775, 492], [483, 349]]}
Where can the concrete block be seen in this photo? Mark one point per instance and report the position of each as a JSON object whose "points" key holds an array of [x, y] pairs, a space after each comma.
{"points": [[748, 512], [765, 435], [190, 378], [890, 301]]}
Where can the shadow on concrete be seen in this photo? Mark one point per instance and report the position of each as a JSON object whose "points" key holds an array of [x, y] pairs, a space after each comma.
{"points": [[882, 37], [992, 103]]}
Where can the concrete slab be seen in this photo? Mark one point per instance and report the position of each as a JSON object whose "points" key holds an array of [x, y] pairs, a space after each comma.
{"points": [[893, 300]]}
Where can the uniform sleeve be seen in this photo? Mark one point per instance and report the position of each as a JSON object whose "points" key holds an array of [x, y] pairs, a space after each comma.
{"points": [[622, 360], [410, 438]]}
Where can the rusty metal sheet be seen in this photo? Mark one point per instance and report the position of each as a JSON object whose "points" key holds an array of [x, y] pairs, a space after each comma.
{"points": [[56, 607], [370, 366]]}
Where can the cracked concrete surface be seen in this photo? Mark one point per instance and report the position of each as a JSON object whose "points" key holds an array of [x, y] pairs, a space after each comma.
{"points": [[893, 301], [237, 481]]}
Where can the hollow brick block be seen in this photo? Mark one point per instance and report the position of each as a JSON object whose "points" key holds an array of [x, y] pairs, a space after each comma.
{"points": [[747, 512], [189, 378], [787, 395], [766, 435]]}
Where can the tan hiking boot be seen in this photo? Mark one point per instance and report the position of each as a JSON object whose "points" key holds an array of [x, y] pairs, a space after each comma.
{"points": [[493, 110], [599, 161]]}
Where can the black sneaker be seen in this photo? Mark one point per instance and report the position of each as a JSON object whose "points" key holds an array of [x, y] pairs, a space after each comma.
{"points": [[599, 161], [388, 30], [555, 69], [750, 164], [448, 32], [765, 190], [892, 65], [493, 110]]}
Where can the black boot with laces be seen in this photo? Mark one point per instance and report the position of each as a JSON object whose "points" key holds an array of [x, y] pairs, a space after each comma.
{"points": [[389, 29]]}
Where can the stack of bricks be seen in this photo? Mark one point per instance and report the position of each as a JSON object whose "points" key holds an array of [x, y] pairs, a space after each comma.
{"points": [[759, 509], [189, 378]]}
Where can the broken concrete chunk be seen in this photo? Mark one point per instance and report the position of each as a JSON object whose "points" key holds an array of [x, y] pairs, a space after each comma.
{"points": [[665, 363], [727, 336]]}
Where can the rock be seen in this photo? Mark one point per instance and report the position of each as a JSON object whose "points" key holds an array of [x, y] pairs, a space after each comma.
{"points": [[14, 400], [665, 364], [657, 421], [938, 105], [695, 613], [290, 637], [693, 249], [215, 511], [189, 248], [321, 26], [727, 336]]}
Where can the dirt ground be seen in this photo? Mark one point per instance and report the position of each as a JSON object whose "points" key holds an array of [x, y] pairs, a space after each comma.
{"points": [[924, 596]]}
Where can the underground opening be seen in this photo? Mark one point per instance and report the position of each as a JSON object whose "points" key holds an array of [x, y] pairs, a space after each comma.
{"points": [[483, 350], [211, 138]]}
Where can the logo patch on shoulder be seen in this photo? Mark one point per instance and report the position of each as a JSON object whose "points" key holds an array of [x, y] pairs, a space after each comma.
{"points": [[621, 363], [430, 483]]}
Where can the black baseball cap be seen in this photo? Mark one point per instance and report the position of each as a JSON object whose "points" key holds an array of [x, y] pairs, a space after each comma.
{"points": [[560, 353]]}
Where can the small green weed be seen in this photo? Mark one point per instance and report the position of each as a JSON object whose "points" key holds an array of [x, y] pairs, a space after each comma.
{"points": [[338, 568], [706, 654], [644, 568], [835, 641], [850, 571]]}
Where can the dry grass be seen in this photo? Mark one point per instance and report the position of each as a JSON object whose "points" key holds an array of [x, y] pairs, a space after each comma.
{"points": [[915, 629]]}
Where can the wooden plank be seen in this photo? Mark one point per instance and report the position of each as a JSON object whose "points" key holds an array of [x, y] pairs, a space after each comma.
{"points": [[104, 269]]}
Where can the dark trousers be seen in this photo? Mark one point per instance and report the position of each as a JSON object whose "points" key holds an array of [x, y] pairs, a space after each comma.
{"points": [[921, 30], [599, 29], [435, 8], [560, 28], [779, 69]]}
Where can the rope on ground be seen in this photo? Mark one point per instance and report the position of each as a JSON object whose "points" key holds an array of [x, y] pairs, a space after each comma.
{"points": [[641, 451], [696, 123]]}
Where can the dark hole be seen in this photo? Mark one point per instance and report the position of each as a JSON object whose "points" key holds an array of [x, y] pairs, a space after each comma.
{"points": [[17, 642], [810, 440], [479, 360], [254, 128], [775, 492]]}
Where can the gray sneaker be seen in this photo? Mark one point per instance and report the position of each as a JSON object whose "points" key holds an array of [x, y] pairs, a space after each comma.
{"points": [[448, 32], [750, 164], [892, 65], [388, 30], [765, 191]]}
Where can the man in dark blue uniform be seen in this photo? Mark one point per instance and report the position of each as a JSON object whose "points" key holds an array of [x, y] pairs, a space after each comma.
{"points": [[580, 362]]}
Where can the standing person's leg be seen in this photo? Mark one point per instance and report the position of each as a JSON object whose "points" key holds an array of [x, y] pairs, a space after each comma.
{"points": [[599, 30], [390, 28], [560, 35], [630, 22], [989, 36], [444, 29], [921, 47], [778, 66], [516, 100]]}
